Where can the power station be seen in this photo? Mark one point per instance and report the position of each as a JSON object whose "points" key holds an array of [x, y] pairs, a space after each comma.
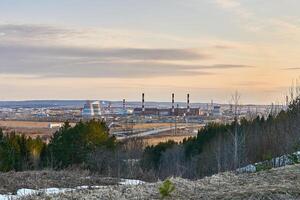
{"points": [[173, 108], [178, 111]]}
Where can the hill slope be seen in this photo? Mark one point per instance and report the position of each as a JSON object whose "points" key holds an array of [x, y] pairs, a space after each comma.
{"points": [[280, 183]]}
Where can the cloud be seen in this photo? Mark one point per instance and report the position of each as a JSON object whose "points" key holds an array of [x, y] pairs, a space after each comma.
{"points": [[115, 53], [60, 61], [235, 7], [287, 28], [291, 68], [120, 63], [251, 83], [227, 66], [30, 30], [221, 46], [21, 53], [228, 3]]}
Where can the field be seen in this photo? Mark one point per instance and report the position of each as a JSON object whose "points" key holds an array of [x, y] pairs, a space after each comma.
{"points": [[34, 129], [154, 140], [29, 128]]}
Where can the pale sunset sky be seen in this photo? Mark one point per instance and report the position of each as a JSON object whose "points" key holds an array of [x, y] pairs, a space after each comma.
{"points": [[115, 49]]}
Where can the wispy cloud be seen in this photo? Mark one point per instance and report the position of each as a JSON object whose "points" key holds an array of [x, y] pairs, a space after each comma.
{"points": [[102, 62], [228, 4], [284, 28], [32, 31], [44, 51], [236, 7], [101, 53], [291, 68]]}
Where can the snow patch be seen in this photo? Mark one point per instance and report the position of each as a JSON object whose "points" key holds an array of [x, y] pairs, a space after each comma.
{"points": [[7, 197], [131, 182], [50, 191], [25, 192], [247, 169]]}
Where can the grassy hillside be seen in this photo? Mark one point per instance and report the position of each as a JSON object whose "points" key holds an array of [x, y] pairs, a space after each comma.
{"points": [[280, 183]]}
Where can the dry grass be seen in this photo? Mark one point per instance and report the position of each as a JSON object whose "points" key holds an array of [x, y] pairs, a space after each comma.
{"points": [[24, 124], [155, 140], [12, 181], [281, 183], [29, 128]]}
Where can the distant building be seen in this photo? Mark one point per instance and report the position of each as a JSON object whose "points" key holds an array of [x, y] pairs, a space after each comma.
{"points": [[55, 125], [216, 111], [91, 109], [167, 112], [146, 111]]}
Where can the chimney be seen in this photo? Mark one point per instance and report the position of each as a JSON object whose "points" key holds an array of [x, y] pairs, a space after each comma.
{"points": [[188, 103], [173, 109], [143, 102], [124, 106]]}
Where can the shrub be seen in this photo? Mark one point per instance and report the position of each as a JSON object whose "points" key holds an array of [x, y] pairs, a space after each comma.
{"points": [[166, 189], [263, 166], [293, 158]]}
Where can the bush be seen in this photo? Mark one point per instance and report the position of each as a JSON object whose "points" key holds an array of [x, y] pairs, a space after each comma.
{"points": [[263, 166], [293, 158], [166, 189]]}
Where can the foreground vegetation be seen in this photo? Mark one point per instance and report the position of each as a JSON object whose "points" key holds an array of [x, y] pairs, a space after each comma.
{"points": [[281, 183]]}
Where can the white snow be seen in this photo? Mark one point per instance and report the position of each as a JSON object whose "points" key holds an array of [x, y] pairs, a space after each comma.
{"points": [[54, 190], [247, 169], [25, 192], [49, 191], [82, 187], [7, 197], [131, 182]]}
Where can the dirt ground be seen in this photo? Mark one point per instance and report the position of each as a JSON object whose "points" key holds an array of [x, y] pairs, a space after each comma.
{"points": [[280, 183]]}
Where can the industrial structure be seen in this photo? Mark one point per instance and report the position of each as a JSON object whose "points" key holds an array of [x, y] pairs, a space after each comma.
{"points": [[172, 109], [178, 111], [91, 109]]}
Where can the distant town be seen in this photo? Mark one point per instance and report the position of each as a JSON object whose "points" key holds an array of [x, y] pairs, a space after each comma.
{"points": [[143, 118]]}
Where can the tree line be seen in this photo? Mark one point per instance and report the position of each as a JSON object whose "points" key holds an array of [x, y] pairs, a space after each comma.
{"points": [[68, 146], [86, 145], [222, 147]]}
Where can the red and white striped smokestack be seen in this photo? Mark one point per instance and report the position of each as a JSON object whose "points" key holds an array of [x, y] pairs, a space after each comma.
{"points": [[188, 103], [173, 109], [143, 102]]}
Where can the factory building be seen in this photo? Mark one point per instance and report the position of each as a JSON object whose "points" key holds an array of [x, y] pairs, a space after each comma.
{"points": [[146, 111], [216, 111], [91, 109], [188, 111], [167, 112]]}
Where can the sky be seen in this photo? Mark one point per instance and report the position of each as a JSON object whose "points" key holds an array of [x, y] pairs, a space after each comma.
{"points": [[116, 49]]}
